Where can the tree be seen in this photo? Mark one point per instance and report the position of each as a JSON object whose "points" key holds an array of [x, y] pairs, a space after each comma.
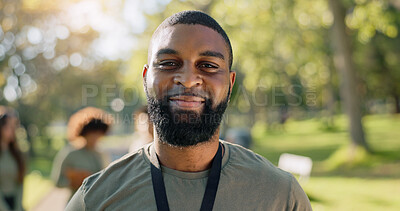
{"points": [[349, 89], [47, 59]]}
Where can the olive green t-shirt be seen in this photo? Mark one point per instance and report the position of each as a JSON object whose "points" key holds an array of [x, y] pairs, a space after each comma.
{"points": [[9, 185], [248, 181], [78, 159], [57, 173]]}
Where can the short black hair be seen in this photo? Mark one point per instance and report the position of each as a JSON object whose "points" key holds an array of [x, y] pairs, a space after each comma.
{"points": [[192, 17], [93, 126]]}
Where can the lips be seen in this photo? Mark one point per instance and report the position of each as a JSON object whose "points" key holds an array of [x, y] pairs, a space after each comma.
{"points": [[187, 102]]}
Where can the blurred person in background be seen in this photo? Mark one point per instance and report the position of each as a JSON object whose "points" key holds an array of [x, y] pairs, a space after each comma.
{"points": [[60, 157], [240, 136], [86, 127], [12, 165], [143, 133]]}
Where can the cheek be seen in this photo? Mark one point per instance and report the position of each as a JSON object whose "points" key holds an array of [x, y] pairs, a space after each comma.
{"points": [[150, 83], [157, 85], [218, 90]]}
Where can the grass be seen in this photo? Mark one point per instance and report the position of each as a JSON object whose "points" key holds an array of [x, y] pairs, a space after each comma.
{"points": [[343, 193], [35, 188], [338, 182], [37, 182]]}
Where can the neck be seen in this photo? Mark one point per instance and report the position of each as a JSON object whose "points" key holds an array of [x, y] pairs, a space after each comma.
{"points": [[188, 159], [90, 144], [90, 147]]}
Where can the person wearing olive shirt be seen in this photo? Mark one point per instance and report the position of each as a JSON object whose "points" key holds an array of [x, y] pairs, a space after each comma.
{"points": [[188, 82], [87, 126]]}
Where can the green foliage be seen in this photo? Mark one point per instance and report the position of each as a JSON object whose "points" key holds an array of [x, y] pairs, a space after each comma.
{"points": [[369, 17]]}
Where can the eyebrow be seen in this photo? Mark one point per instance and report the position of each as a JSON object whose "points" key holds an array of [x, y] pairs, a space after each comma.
{"points": [[213, 54], [166, 51], [205, 53]]}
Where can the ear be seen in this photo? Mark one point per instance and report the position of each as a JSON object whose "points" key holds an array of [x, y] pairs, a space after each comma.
{"points": [[232, 78], [145, 68]]}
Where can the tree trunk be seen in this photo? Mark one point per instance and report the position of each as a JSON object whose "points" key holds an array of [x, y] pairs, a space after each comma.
{"points": [[345, 66], [397, 103], [330, 101]]}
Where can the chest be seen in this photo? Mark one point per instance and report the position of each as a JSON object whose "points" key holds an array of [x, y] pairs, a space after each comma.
{"points": [[8, 171], [8, 165], [187, 194]]}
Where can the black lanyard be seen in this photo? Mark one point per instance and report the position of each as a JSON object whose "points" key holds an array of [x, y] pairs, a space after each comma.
{"points": [[211, 188]]}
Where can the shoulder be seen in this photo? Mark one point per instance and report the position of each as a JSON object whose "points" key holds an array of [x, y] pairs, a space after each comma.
{"points": [[70, 156], [63, 152], [244, 163], [251, 171], [240, 157], [119, 178], [119, 170], [81, 153], [74, 155], [75, 152]]}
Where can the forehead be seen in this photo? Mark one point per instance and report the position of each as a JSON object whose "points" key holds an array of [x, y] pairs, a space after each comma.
{"points": [[186, 38]]}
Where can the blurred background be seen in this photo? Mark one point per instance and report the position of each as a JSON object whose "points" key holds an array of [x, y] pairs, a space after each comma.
{"points": [[316, 78]]}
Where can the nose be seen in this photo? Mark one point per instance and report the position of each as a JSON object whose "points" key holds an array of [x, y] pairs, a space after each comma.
{"points": [[188, 77]]}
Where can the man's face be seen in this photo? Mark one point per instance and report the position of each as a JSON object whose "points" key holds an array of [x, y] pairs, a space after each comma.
{"points": [[188, 74]]}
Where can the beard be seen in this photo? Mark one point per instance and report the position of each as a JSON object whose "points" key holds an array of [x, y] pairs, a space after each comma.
{"points": [[182, 128]]}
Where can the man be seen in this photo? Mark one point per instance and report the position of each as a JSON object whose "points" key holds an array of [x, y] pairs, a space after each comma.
{"points": [[188, 81]]}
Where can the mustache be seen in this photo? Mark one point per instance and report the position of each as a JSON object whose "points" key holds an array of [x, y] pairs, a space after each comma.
{"points": [[174, 93]]}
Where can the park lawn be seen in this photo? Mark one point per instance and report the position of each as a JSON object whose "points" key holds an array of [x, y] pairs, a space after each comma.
{"points": [[372, 184], [351, 193], [35, 188]]}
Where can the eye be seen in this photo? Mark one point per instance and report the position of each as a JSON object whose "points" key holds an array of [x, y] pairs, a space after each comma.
{"points": [[208, 66], [168, 65]]}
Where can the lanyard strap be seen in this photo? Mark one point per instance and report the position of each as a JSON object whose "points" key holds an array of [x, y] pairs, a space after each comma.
{"points": [[211, 188]]}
